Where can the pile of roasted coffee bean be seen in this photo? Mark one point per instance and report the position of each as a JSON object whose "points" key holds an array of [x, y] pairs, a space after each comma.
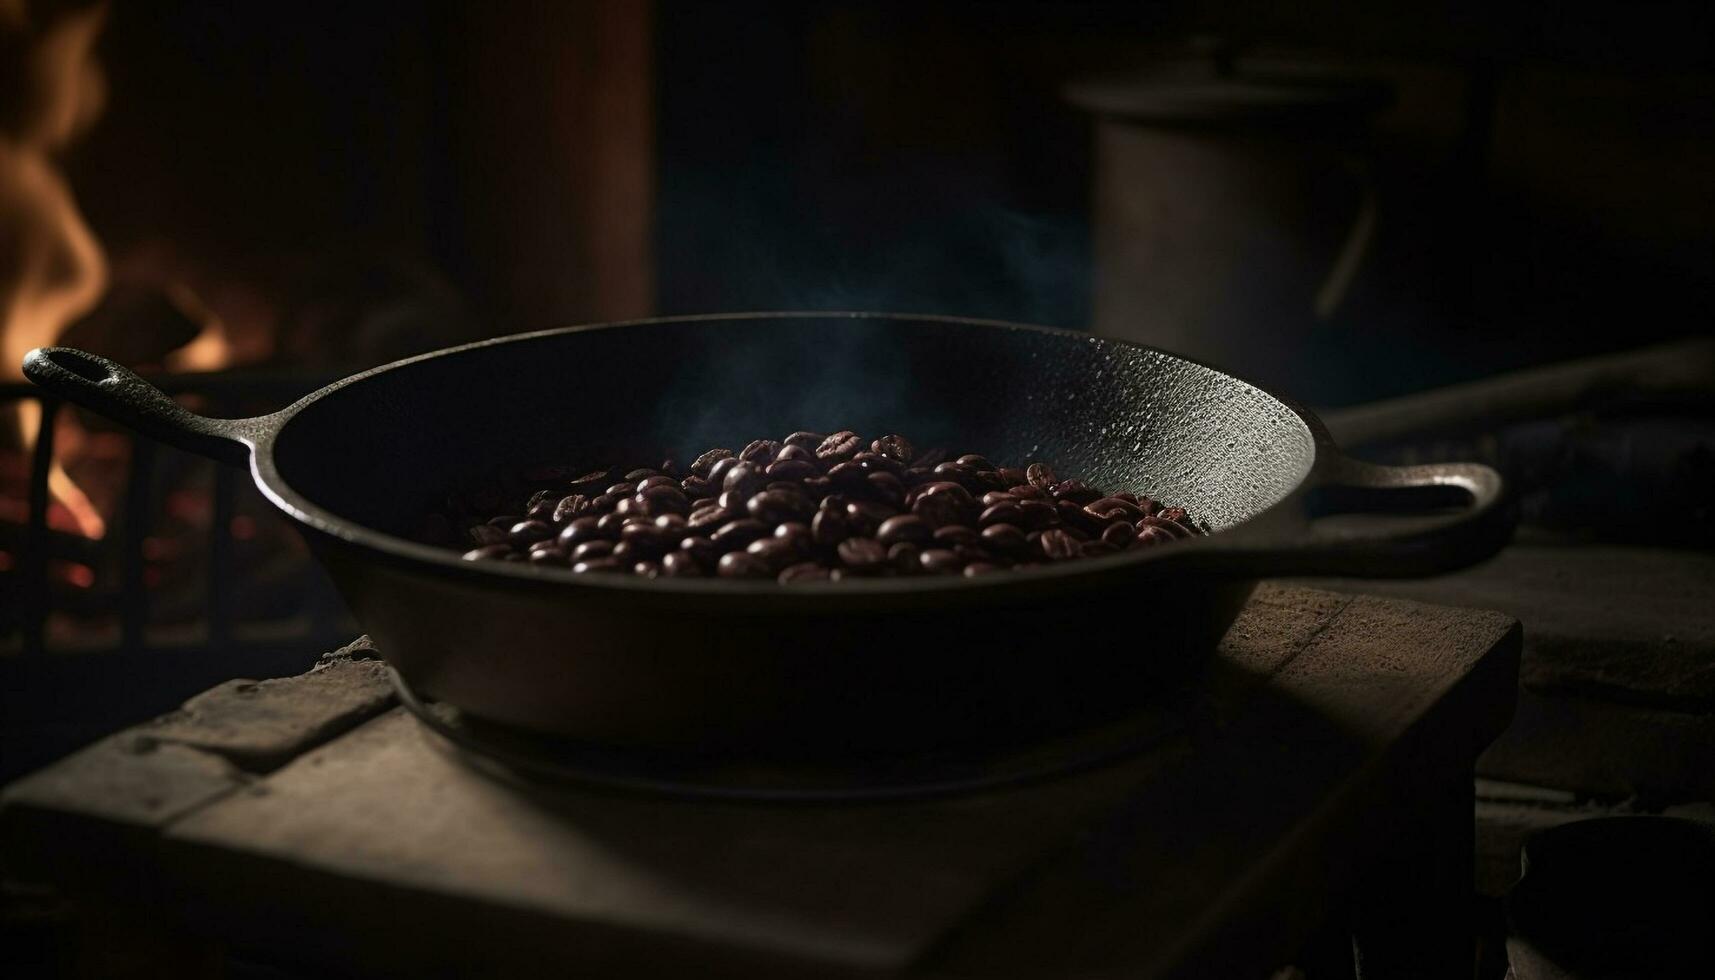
{"points": [[812, 508]]}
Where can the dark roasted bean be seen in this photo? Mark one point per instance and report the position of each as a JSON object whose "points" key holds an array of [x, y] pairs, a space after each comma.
{"points": [[773, 507], [704, 463], [592, 549], [708, 518], [895, 447], [759, 451], [804, 571], [527, 532], [667, 499], [829, 528], [791, 469], [940, 561], [840, 446], [1119, 534], [865, 517], [886, 488], [1004, 539], [862, 554], [1056, 545], [1149, 535], [597, 565], [738, 564], [744, 480], [718, 472], [776, 553], [877, 463], [570, 507], [734, 535], [903, 528], [702, 550], [679, 564], [806, 508]]}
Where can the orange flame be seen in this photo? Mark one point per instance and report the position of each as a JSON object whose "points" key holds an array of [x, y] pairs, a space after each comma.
{"points": [[52, 268]]}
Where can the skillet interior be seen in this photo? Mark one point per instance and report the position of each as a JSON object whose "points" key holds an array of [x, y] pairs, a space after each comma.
{"points": [[383, 450]]}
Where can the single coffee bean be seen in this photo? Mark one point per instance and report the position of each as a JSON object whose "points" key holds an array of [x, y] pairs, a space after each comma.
{"points": [[790, 453], [904, 528], [570, 507], [1005, 512], [1119, 534], [679, 564], [1004, 539], [976, 462], [1036, 514], [864, 517], [657, 481], [998, 497], [505, 521], [895, 447], [1109, 509], [597, 566], [804, 440], [796, 532], [829, 528], [791, 469], [734, 535], [592, 549], [718, 472], [1076, 491], [647, 538], [1149, 535], [1172, 527], [546, 553], [668, 499], [877, 463], [941, 509], [624, 488], [948, 488], [817, 486], [646, 569], [641, 474], [862, 554], [526, 532], [1056, 545], [840, 446], [1175, 514], [804, 571], [1024, 491], [776, 506], [1074, 516], [703, 551], [776, 553], [976, 568], [904, 558], [737, 564], [1040, 476], [886, 488], [708, 518], [744, 480], [1012, 476], [580, 530], [674, 523], [848, 476], [487, 551], [940, 561], [541, 505], [701, 466], [591, 481], [759, 451]]}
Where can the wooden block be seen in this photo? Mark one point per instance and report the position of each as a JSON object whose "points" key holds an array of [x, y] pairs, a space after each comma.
{"points": [[260, 725], [129, 779]]}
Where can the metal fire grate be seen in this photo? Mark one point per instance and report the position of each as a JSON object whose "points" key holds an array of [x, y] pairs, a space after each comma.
{"points": [[123, 664]]}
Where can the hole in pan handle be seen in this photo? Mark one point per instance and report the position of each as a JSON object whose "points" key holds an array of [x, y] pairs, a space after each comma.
{"points": [[1418, 520], [114, 391]]}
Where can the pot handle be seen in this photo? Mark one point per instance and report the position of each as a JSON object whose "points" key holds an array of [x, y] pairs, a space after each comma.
{"points": [[1419, 520], [114, 391]]}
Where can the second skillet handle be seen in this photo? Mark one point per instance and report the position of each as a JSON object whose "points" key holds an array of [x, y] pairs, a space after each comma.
{"points": [[114, 391], [1462, 516]]}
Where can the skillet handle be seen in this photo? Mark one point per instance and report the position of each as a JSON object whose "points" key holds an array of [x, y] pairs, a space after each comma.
{"points": [[1419, 520], [112, 390]]}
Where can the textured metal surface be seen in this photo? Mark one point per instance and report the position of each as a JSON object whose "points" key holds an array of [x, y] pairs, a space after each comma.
{"points": [[359, 462]]}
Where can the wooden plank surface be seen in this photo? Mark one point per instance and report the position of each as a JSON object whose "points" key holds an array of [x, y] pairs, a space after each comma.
{"points": [[1147, 863]]}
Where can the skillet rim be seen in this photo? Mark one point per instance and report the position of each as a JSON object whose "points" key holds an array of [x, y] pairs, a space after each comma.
{"points": [[261, 436]]}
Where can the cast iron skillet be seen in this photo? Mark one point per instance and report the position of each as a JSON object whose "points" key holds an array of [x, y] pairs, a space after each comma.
{"points": [[836, 668]]}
